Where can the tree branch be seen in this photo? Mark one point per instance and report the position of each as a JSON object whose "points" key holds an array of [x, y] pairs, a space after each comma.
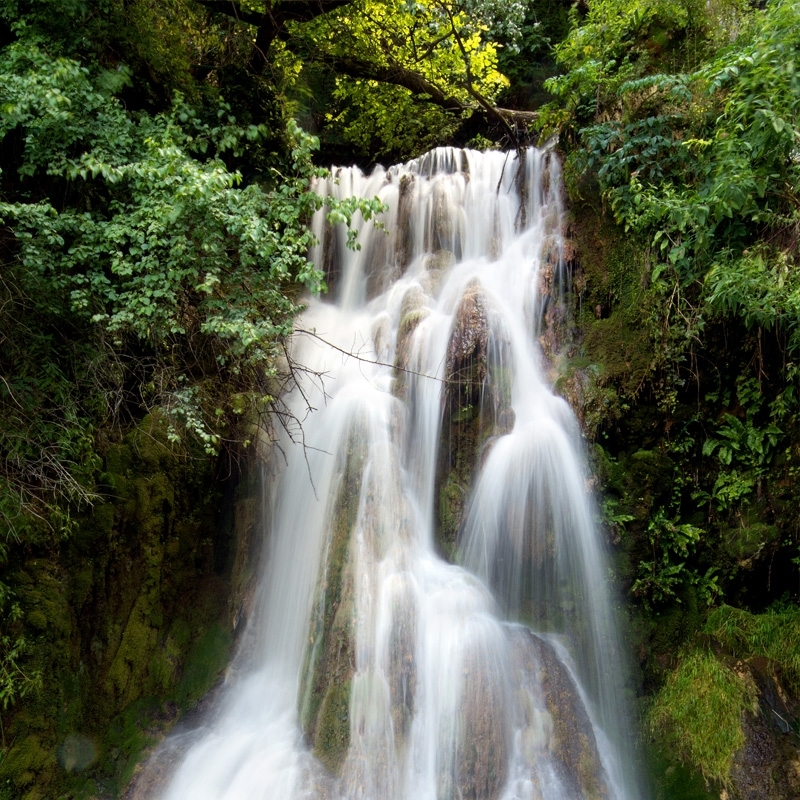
{"points": [[417, 84], [272, 22], [232, 9], [409, 79]]}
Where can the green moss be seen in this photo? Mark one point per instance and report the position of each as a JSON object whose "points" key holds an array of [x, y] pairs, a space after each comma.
{"points": [[127, 737], [699, 712], [744, 542], [774, 635], [82, 580], [451, 509], [123, 635], [674, 625], [675, 781], [333, 728], [204, 664], [41, 591], [165, 665], [623, 351], [21, 764], [36, 619], [132, 660], [329, 660]]}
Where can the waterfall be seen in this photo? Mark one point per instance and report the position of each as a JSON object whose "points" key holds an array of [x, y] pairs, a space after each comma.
{"points": [[433, 620]]}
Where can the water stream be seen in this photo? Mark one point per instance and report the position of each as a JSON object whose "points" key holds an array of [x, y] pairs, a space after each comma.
{"points": [[433, 620]]}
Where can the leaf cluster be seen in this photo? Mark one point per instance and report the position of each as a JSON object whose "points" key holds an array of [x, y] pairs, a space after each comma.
{"points": [[146, 271], [448, 46]]}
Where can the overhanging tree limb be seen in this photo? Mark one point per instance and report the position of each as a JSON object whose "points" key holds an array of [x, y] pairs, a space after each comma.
{"points": [[417, 84], [272, 22]]}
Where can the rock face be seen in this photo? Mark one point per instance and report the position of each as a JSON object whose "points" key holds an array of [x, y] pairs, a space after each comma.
{"points": [[477, 406], [483, 749], [768, 766], [330, 659], [553, 719]]}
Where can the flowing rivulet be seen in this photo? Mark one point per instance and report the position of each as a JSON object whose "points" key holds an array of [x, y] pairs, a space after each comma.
{"points": [[433, 619]]}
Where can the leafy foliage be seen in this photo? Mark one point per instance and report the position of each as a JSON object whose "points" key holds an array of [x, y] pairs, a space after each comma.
{"points": [[660, 576], [176, 279], [140, 270], [682, 116], [15, 682], [448, 45], [701, 162]]}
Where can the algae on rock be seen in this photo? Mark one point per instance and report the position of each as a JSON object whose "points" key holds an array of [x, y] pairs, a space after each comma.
{"points": [[330, 659], [130, 618]]}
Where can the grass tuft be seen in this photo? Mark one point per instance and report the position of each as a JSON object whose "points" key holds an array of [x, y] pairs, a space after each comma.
{"points": [[699, 711]]}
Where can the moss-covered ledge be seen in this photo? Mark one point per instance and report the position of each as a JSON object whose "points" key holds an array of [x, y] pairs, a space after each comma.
{"points": [[130, 620]]}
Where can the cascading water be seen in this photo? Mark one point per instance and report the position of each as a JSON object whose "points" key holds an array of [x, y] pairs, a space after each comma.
{"points": [[376, 668]]}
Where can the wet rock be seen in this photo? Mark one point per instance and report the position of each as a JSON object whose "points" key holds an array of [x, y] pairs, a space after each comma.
{"points": [[768, 766], [382, 268], [483, 750], [467, 352], [403, 247], [555, 724], [443, 230], [477, 406], [403, 667], [330, 658], [437, 265], [413, 310]]}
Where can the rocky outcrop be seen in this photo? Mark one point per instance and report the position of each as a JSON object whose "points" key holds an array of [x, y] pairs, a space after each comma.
{"points": [[132, 618], [553, 719], [477, 406], [768, 766], [330, 659]]}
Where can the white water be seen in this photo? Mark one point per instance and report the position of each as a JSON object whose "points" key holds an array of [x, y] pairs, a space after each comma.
{"points": [[450, 696]]}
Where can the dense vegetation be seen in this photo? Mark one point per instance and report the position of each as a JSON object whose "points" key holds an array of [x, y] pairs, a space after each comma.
{"points": [[681, 123], [154, 195]]}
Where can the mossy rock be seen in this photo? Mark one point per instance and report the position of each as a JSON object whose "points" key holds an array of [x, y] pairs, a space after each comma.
{"points": [[563, 723], [330, 659], [204, 663], [332, 736], [130, 615], [452, 496], [673, 780], [744, 542], [132, 661], [413, 310], [477, 401], [24, 761], [621, 351]]}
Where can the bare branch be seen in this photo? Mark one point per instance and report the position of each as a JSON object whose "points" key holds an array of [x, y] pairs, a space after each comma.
{"points": [[418, 85], [351, 354]]}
